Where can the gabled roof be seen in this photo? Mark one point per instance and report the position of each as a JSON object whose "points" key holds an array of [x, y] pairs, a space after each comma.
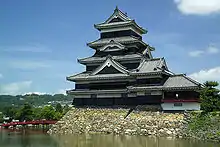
{"points": [[118, 14], [123, 40], [110, 62], [94, 75], [122, 20], [129, 57], [180, 80], [112, 46], [156, 65]]}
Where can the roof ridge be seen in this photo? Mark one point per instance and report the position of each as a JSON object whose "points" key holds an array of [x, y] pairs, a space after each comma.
{"points": [[192, 80], [118, 64], [180, 74], [117, 9]]}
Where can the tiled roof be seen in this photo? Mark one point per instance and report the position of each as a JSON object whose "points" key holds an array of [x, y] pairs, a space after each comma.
{"points": [[120, 24], [150, 66], [122, 40], [146, 67], [118, 13], [87, 76], [180, 81], [117, 58], [95, 91], [114, 23], [173, 82]]}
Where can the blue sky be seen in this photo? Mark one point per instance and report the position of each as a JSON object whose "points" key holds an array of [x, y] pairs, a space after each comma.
{"points": [[41, 40]]}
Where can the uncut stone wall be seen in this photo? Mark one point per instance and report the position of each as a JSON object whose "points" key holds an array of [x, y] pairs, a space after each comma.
{"points": [[85, 120]]}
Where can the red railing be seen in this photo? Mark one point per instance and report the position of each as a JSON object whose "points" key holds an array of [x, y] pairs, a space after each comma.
{"points": [[35, 122]]}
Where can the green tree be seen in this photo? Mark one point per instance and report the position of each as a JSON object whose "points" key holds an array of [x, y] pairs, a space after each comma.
{"points": [[10, 112], [1, 117], [25, 113], [37, 113], [66, 108], [59, 108], [48, 113], [58, 116], [210, 97]]}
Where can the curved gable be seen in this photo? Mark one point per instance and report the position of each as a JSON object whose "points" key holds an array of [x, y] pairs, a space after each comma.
{"points": [[110, 63], [112, 46]]}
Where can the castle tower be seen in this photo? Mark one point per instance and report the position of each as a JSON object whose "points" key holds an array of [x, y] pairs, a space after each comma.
{"points": [[123, 72]]}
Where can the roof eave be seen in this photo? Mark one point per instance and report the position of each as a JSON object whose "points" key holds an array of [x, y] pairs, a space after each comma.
{"points": [[70, 79], [164, 88], [100, 26], [149, 73]]}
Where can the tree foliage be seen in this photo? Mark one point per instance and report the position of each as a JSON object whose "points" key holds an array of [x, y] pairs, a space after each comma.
{"points": [[27, 112], [48, 113], [59, 108], [33, 99], [210, 97], [1, 117]]}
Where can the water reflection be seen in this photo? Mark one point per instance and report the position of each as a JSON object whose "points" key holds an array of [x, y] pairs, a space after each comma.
{"points": [[127, 141], [40, 139]]}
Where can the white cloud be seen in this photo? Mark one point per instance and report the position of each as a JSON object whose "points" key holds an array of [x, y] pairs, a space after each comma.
{"points": [[212, 50], [196, 53], [198, 7], [1, 76], [207, 75], [38, 93], [15, 88], [26, 64], [35, 48], [61, 91]]}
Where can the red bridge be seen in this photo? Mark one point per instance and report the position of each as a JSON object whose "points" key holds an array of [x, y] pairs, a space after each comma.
{"points": [[36, 122]]}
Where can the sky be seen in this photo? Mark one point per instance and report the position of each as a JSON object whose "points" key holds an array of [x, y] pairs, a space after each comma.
{"points": [[40, 40]]}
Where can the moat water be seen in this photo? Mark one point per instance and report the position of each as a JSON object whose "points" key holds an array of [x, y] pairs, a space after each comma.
{"points": [[31, 138]]}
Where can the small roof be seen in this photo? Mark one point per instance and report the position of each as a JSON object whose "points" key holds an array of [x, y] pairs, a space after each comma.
{"points": [[180, 81], [118, 14], [131, 57], [123, 20], [173, 82], [123, 40], [155, 65]]}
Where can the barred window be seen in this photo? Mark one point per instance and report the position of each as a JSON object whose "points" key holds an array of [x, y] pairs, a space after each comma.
{"points": [[178, 104]]}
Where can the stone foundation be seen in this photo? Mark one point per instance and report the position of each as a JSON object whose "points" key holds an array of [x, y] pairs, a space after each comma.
{"points": [[85, 120]]}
